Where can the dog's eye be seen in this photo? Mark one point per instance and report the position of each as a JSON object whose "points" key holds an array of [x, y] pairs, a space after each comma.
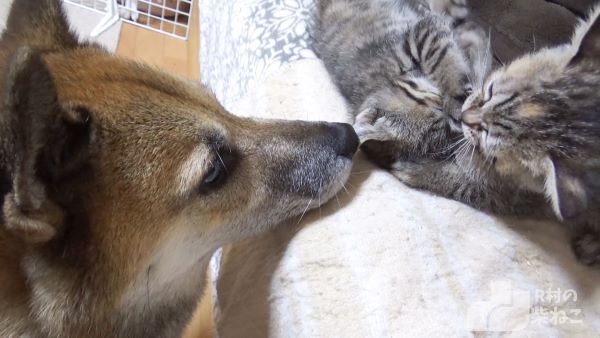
{"points": [[223, 165], [214, 177]]}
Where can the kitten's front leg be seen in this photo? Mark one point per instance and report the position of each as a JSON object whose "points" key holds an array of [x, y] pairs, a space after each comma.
{"points": [[442, 178], [381, 136], [464, 183], [371, 122], [417, 146]]}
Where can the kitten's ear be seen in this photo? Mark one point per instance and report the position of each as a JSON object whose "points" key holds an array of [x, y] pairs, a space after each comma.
{"points": [[50, 144], [567, 191], [590, 45]]}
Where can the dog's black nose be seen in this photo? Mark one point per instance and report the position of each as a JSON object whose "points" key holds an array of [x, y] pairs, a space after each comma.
{"points": [[346, 140]]}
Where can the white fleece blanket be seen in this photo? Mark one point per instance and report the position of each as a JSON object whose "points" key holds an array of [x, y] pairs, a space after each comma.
{"points": [[383, 260]]}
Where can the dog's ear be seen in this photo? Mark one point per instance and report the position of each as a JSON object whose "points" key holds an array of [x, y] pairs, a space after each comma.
{"points": [[50, 145], [590, 45], [567, 190], [40, 23]]}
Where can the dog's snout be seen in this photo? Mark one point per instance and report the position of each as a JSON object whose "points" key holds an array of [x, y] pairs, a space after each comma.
{"points": [[345, 139]]}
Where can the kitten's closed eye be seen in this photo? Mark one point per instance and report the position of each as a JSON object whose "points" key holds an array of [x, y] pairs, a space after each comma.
{"points": [[489, 93], [502, 125]]}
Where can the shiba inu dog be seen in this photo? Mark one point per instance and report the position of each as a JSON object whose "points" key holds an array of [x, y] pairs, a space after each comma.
{"points": [[118, 181]]}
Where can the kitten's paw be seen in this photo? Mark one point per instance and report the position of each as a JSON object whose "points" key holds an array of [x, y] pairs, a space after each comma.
{"points": [[371, 124], [377, 136], [471, 38], [587, 248], [474, 41], [456, 9]]}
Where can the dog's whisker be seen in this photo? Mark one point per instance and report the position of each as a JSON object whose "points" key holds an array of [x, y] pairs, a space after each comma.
{"points": [[221, 160], [346, 190], [319, 194], [305, 210], [362, 172], [148, 287], [359, 174], [338, 201]]}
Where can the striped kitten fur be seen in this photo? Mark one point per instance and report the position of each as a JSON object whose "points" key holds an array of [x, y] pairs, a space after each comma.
{"points": [[405, 68], [529, 142], [533, 132], [542, 113], [405, 71]]}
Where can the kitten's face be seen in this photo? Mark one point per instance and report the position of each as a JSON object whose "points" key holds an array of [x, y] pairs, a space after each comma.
{"points": [[540, 105], [499, 118], [542, 112]]}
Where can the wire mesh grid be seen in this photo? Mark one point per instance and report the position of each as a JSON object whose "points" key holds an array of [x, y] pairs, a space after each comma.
{"points": [[171, 17]]}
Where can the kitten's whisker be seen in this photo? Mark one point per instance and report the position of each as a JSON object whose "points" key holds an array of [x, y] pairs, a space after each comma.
{"points": [[462, 154], [491, 162], [461, 149], [456, 152], [472, 154], [469, 78], [448, 148], [457, 142]]}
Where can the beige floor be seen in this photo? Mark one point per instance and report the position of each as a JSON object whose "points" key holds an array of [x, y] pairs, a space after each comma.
{"points": [[176, 56]]}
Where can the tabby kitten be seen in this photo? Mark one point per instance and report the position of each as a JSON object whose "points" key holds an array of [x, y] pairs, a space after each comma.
{"points": [[543, 112], [404, 66], [533, 132]]}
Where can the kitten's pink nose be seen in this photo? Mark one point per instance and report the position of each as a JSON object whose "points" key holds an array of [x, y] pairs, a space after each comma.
{"points": [[472, 118]]}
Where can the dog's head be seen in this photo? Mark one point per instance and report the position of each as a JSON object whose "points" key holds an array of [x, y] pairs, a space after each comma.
{"points": [[110, 166]]}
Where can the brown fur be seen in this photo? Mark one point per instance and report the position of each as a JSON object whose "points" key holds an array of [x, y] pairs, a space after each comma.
{"points": [[105, 231]]}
